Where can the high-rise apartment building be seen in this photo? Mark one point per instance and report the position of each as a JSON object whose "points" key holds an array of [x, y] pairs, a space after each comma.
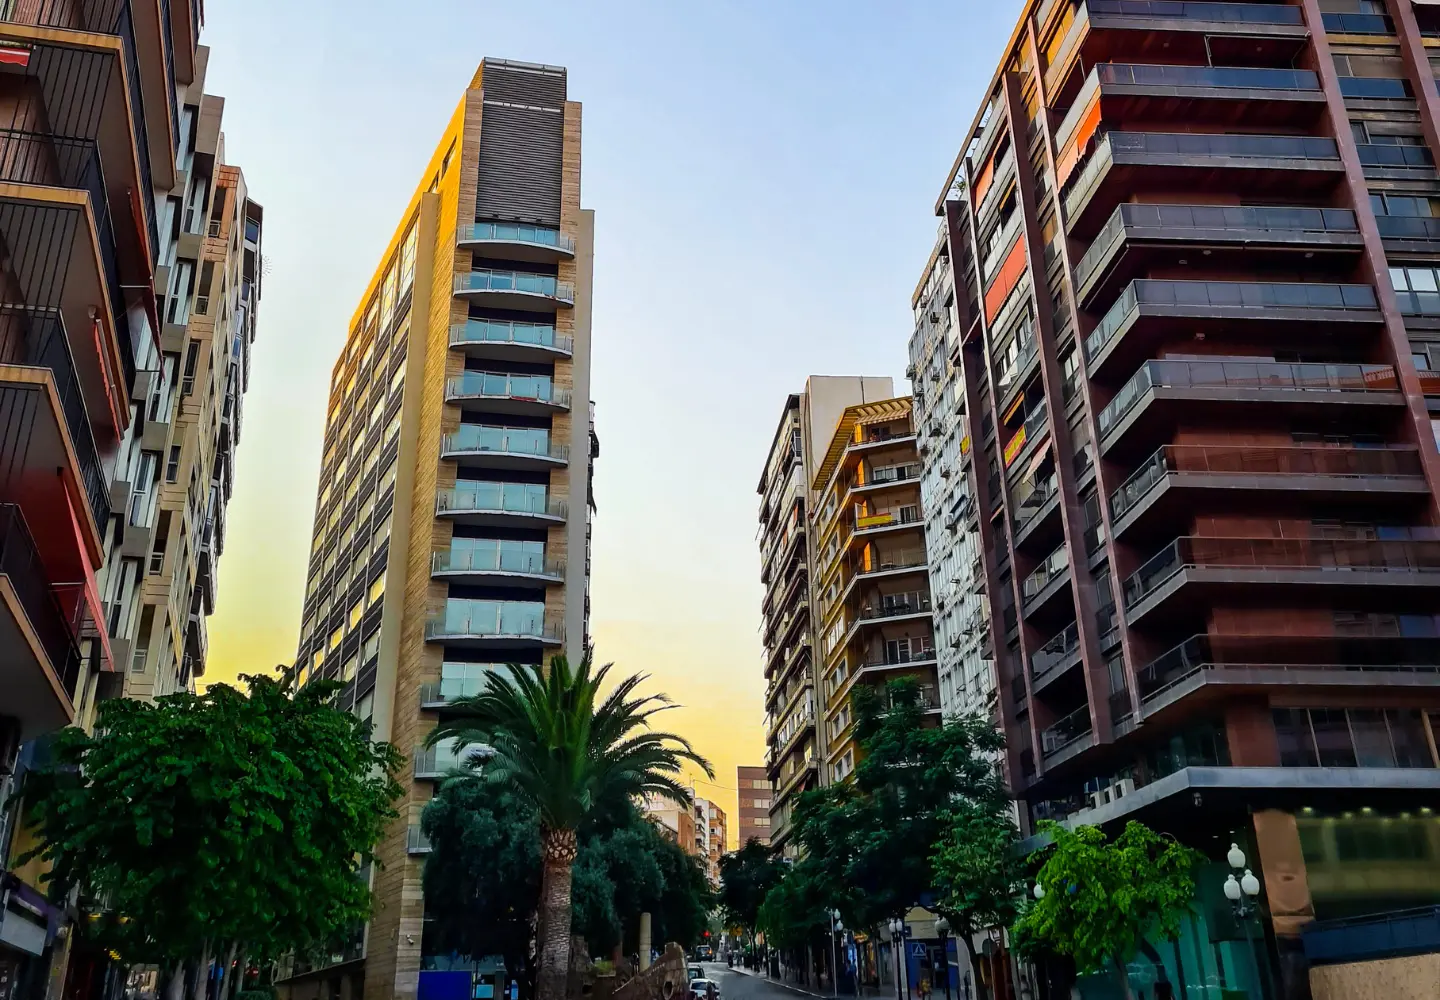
{"points": [[710, 834], [1194, 252], [752, 820], [871, 577], [452, 528], [787, 560], [964, 657], [127, 246]]}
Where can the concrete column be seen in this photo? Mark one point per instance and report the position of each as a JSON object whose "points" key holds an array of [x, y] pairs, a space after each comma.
{"points": [[644, 941]]}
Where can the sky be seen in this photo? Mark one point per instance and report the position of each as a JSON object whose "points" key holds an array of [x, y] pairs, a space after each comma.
{"points": [[764, 177]]}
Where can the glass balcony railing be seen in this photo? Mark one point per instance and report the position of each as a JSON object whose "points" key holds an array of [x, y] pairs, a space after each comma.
{"points": [[20, 563], [502, 385], [504, 498], [1055, 651], [509, 232], [1252, 296], [1294, 460], [516, 281], [464, 617], [460, 680], [499, 331], [1178, 221], [1377, 154], [1245, 375], [900, 657], [1340, 555], [1055, 566], [1373, 87], [1405, 227], [473, 438], [496, 557], [1218, 77], [1184, 10], [1068, 730], [1357, 24]]}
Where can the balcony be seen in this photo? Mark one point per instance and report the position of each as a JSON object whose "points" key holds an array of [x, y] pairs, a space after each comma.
{"points": [[1166, 488], [1122, 164], [416, 843], [1059, 654], [1408, 233], [440, 762], [1067, 737], [885, 522], [1162, 391], [894, 608], [883, 479], [1137, 237], [895, 660], [514, 241], [497, 564], [458, 680], [1382, 161], [519, 290], [40, 386], [502, 392], [486, 504], [475, 445], [1355, 569], [1035, 503], [1359, 89], [508, 340], [488, 625], [1214, 666], [41, 666], [1047, 588]]}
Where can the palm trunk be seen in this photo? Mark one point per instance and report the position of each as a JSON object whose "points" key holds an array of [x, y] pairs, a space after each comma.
{"points": [[559, 848]]}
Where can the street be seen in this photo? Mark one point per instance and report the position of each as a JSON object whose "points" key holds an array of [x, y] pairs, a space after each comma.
{"points": [[737, 985]]}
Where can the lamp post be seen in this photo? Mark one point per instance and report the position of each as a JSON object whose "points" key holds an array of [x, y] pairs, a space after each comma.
{"points": [[835, 925], [1242, 894], [897, 936], [942, 931]]}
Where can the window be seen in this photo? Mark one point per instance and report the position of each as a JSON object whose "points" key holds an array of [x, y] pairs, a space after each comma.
{"points": [[761, 821], [347, 671], [142, 496], [357, 611], [377, 589], [142, 640], [177, 298], [382, 532], [1336, 737], [162, 538], [192, 360], [760, 803], [335, 637], [397, 380], [207, 278], [172, 464], [387, 478], [371, 647], [407, 260]]}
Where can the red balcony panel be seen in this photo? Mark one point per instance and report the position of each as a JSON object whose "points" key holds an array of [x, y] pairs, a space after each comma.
{"points": [[1005, 280]]}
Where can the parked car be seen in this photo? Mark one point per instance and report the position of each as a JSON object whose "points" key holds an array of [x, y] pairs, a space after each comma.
{"points": [[704, 989], [694, 972]]}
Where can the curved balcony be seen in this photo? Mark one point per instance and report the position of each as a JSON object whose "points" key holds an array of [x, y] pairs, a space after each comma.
{"points": [[1359, 570], [516, 241], [1175, 477], [478, 446], [518, 290], [1148, 406], [493, 625], [497, 566], [1123, 163], [510, 340], [485, 504], [502, 392], [1137, 237]]}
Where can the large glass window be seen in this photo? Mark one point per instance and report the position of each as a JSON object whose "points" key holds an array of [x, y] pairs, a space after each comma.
{"points": [[1356, 737]]}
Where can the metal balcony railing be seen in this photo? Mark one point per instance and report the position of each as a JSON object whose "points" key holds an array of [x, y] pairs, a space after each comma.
{"points": [[1252, 296], [1069, 729], [1171, 221], [37, 339], [1357, 24], [496, 560], [516, 281], [20, 562], [1316, 378], [885, 562], [1406, 227], [1055, 566], [1219, 77], [499, 331], [899, 659], [502, 385], [1055, 651], [500, 619], [1376, 154], [1337, 555], [509, 232], [500, 498], [1293, 460], [1374, 88], [894, 605], [475, 438], [1173, 10]]}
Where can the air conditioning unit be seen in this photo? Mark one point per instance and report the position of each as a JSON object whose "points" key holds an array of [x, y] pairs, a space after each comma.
{"points": [[1122, 788], [1097, 799]]}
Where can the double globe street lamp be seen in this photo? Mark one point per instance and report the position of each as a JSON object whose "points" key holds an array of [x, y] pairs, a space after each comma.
{"points": [[897, 937], [1243, 894], [942, 931]]}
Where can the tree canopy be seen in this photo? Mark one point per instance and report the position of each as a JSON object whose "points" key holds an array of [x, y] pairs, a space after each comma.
{"points": [[979, 874], [219, 820], [746, 876]]}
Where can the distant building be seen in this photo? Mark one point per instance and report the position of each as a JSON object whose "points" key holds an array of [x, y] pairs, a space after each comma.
{"points": [[675, 821], [755, 794], [710, 836]]}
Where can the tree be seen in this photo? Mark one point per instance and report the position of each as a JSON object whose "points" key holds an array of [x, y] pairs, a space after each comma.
{"points": [[223, 821], [1102, 900], [551, 739], [746, 876], [979, 874]]}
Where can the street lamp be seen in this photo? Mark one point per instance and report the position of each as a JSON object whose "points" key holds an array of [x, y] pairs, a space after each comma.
{"points": [[835, 925], [942, 931], [1039, 891], [1242, 894], [897, 936]]}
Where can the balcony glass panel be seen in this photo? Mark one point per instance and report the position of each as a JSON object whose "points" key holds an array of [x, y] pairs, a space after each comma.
{"points": [[1056, 565], [510, 440], [499, 331], [1357, 24], [1373, 87], [1069, 729], [475, 617], [493, 555], [1172, 10], [1334, 554], [510, 232], [1404, 227], [520, 498], [485, 280], [506, 386], [1055, 651], [20, 563], [1237, 77], [1296, 460], [1376, 154], [1285, 147], [1245, 375]]}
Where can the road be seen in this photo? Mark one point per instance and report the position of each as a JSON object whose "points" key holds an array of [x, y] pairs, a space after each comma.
{"points": [[739, 986]]}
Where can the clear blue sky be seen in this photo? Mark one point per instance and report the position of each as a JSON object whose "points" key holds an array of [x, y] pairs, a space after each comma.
{"points": [[763, 176]]}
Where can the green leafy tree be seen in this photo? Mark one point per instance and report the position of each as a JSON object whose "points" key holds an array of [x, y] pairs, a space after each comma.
{"points": [[746, 876], [686, 899], [1103, 899], [979, 874], [557, 743], [223, 823]]}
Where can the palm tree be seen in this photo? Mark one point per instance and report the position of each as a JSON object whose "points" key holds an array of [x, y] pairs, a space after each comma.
{"points": [[549, 737]]}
